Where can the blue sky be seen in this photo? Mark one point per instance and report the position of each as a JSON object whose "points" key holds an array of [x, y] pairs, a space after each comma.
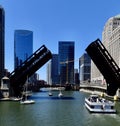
{"points": [[51, 21]]}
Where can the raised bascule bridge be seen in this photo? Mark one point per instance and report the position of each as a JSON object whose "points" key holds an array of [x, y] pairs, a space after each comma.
{"points": [[19, 76], [106, 65]]}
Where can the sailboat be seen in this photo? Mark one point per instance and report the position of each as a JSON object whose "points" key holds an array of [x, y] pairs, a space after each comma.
{"points": [[25, 100], [60, 93], [50, 91]]}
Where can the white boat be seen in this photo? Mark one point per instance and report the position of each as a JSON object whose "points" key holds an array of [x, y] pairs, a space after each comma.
{"points": [[50, 93], [96, 104], [60, 94], [50, 89], [25, 100]]}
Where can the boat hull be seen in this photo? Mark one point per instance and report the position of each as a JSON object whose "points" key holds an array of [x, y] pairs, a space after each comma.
{"points": [[99, 110], [27, 102], [50, 94]]}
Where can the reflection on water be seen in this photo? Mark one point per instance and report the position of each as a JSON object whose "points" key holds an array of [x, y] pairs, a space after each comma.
{"points": [[54, 111], [53, 98]]}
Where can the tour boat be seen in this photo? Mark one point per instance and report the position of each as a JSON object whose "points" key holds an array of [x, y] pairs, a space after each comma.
{"points": [[96, 104]]}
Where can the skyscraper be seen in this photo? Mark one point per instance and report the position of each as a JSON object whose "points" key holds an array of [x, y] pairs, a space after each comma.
{"points": [[23, 46], [76, 76], [2, 34], [66, 62], [49, 73], [84, 67], [52, 70]]}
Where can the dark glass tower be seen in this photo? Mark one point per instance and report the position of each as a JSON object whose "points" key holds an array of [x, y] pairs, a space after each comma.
{"points": [[85, 67], [23, 46], [66, 62], [54, 69], [2, 34]]}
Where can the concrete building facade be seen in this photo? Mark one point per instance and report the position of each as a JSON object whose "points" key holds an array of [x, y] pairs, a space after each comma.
{"points": [[111, 40]]}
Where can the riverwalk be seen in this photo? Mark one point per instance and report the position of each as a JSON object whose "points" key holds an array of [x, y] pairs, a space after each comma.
{"points": [[98, 89], [93, 87]]}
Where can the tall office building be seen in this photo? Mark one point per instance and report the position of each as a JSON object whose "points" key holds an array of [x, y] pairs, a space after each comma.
{"points": [[111, 40], [23, 46], [66, 62], [52, 70], [85, 67], [49, 81], [2, 34], [76, 76]]}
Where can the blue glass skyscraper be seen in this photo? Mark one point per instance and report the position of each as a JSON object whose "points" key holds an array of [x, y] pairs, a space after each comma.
{"points": [[66, 62], [85, 67], [23, 46], [2, 34], [54, 69]]}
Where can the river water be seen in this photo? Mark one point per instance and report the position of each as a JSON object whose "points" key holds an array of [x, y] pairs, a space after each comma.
{"points": [[54, 111]]}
